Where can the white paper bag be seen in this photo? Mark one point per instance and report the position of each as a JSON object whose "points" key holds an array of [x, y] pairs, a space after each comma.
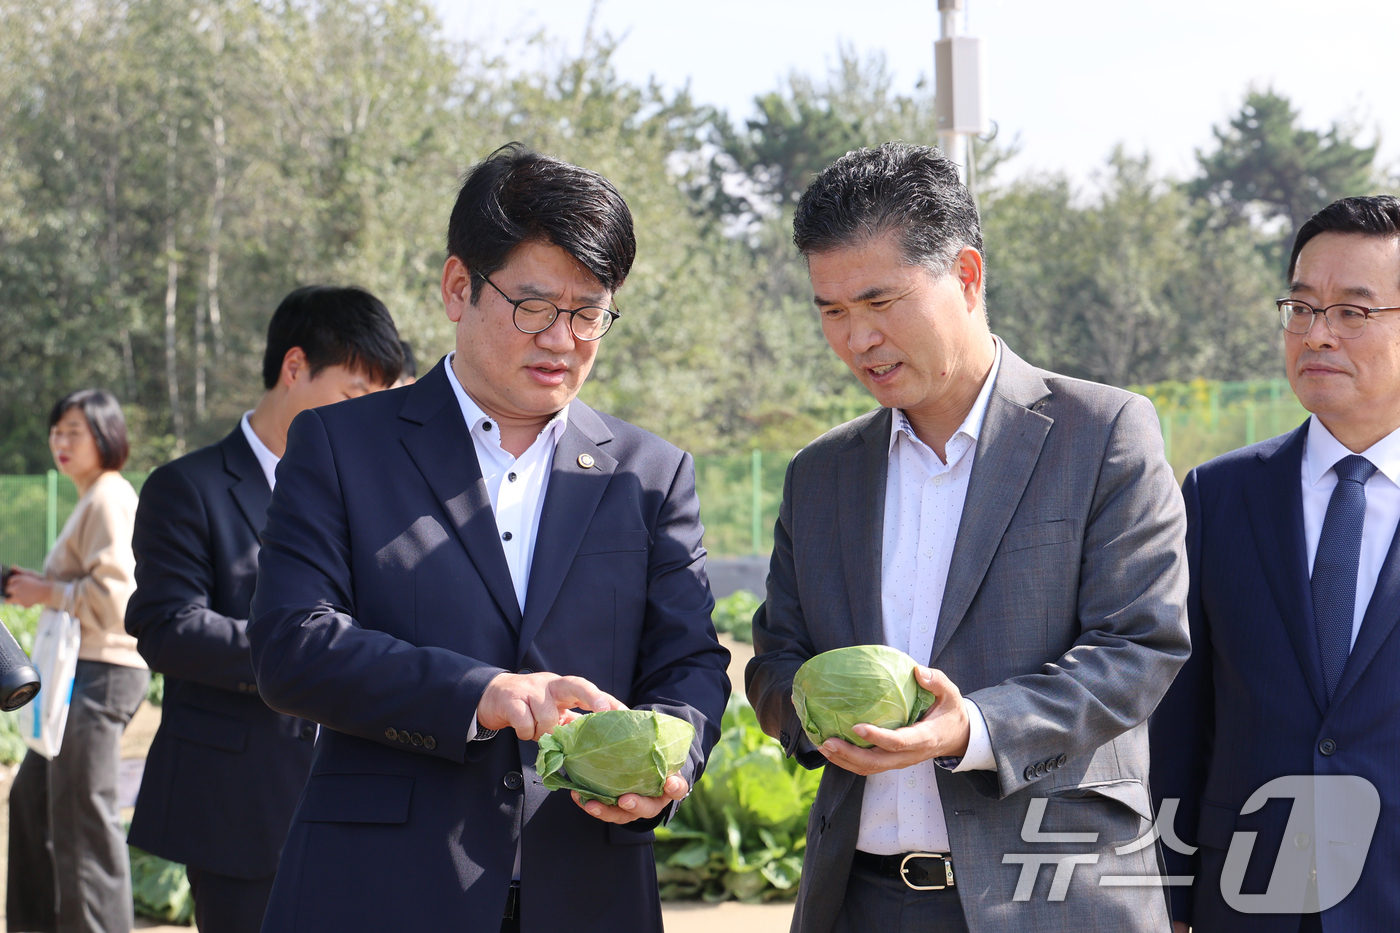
{"points": [[43, 720]]}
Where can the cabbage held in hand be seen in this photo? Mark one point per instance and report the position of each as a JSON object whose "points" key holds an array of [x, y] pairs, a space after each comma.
{"points": [[615, 752], [873, 684]]}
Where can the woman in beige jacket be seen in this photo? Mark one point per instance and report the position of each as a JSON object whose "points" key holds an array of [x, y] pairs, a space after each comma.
{"points": [[71, 801]]}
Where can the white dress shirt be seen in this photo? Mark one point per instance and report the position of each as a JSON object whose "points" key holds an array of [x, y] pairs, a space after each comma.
{"points": [[924, 496], [1321, 451], [266, 458], [515, 485]]}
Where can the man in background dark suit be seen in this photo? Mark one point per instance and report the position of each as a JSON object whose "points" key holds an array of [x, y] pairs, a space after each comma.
{"points": [[1295, 596], [224, 771], [480, 553]]}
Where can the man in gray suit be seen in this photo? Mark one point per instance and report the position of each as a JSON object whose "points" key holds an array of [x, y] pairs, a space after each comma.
{"points": [[1018, 531]]}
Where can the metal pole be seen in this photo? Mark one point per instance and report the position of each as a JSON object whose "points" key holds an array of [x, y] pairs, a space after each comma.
{"points": [[951, 143], [51, 531], [757, 469]]}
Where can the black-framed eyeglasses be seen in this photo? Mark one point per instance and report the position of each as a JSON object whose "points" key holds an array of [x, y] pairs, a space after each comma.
{"points": [[1345, 321], [537, 315]]}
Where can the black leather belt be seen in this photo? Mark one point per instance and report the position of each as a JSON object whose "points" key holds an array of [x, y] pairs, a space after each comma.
{"points": [[922, 871]]}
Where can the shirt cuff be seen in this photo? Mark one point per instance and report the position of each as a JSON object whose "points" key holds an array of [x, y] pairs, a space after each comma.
{"points": [[477, 734], [979, 756]]}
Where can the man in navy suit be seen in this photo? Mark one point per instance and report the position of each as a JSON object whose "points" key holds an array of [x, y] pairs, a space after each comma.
{"points": [[453, 568], [1295, 595], [225, 771]]}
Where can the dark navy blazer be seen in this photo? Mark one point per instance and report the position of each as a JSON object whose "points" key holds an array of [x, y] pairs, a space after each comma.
{"points": [[1250, 704], [224, 771], [384, 607]]}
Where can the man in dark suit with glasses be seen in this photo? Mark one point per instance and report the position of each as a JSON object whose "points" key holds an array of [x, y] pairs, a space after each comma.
{"points": [[1295, 596], [452, 569]]}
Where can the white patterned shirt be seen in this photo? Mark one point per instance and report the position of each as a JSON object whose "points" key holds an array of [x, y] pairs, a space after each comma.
{"points": [[924, 496]]}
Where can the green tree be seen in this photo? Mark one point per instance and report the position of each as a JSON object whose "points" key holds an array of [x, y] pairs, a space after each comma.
{"points": [[1267, 168]]}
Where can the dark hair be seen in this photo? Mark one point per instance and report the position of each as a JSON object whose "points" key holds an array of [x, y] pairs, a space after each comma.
{"points": [[1378, 215], [912, 191], [104, 419], [410, 363], [516, 196], [334, 326]]}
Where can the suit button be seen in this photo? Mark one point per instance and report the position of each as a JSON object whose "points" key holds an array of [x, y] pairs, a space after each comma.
{"points": [[391, 734], [242, 687], [1030, 772], [526, 670], [416, 739], [308, 732], [1060, 762], [1051, 764], [783, 737], [1040, 769], [429, 742], [1327, 746], [403, 737], [513, 780]]}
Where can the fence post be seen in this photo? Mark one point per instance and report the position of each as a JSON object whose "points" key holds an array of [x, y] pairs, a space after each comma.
{"points": [[757, 461], [51, 530]]}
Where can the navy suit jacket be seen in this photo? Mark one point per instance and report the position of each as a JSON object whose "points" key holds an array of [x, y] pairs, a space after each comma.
{"points": [[384, 607], [1250, 705], [224, 771]]}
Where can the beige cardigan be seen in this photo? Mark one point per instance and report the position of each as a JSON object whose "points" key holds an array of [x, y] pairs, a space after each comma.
{"points": [[93, 556]]}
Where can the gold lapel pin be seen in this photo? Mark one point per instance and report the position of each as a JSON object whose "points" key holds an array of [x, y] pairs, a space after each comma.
{"points": [[585, 461]]}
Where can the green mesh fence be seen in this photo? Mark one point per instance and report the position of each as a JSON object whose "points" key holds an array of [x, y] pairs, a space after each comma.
{"points": [[740, 493], [32, 512]]}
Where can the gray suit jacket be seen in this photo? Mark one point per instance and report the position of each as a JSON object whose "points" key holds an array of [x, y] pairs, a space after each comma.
{"points": [[1063, 619]]}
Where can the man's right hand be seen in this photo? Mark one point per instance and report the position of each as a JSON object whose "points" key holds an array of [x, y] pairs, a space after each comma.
{"points": [[534, 704]]}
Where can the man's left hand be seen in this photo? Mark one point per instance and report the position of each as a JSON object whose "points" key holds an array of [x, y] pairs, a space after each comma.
{"points": [[634, 806], [942, 733]]}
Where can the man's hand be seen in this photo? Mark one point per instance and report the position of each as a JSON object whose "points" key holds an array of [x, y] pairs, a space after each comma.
{"points": [[27, 588], [1180, 926], [942, 732], [634, 806], [534, 704]]}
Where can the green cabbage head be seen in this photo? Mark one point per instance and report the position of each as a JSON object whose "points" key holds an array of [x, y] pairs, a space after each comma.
{"points": [[615, 752], [873, 684]]}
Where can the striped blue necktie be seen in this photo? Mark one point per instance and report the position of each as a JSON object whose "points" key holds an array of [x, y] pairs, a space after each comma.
{"points": [[1334, 567]]}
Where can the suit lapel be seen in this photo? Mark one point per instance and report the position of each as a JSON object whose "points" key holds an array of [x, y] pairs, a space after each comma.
{"points": [[1275, 509], [443, 452], [569, 503], [1007, 450], [861, 474], [1376, 625], [250, 490]]}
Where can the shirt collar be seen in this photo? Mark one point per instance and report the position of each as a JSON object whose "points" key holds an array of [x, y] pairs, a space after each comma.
{"points": [[476, 418], [1322, 451], [972, 424], [266, 458]]}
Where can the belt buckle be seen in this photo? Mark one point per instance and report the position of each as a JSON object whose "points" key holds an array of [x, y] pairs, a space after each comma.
{"points": [[947, 871]]}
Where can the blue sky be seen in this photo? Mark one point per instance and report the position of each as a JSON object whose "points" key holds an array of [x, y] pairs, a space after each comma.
{"points": [[1072, 79]]}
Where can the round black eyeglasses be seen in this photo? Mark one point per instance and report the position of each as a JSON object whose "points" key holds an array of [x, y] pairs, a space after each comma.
{"points": [[537, 315]]}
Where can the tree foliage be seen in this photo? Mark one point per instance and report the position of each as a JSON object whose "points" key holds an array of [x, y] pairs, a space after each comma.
{"points": [[1268, 168], [169, 169]]}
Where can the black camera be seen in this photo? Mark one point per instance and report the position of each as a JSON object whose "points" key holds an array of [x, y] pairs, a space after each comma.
{"points": [[19, 681]]}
